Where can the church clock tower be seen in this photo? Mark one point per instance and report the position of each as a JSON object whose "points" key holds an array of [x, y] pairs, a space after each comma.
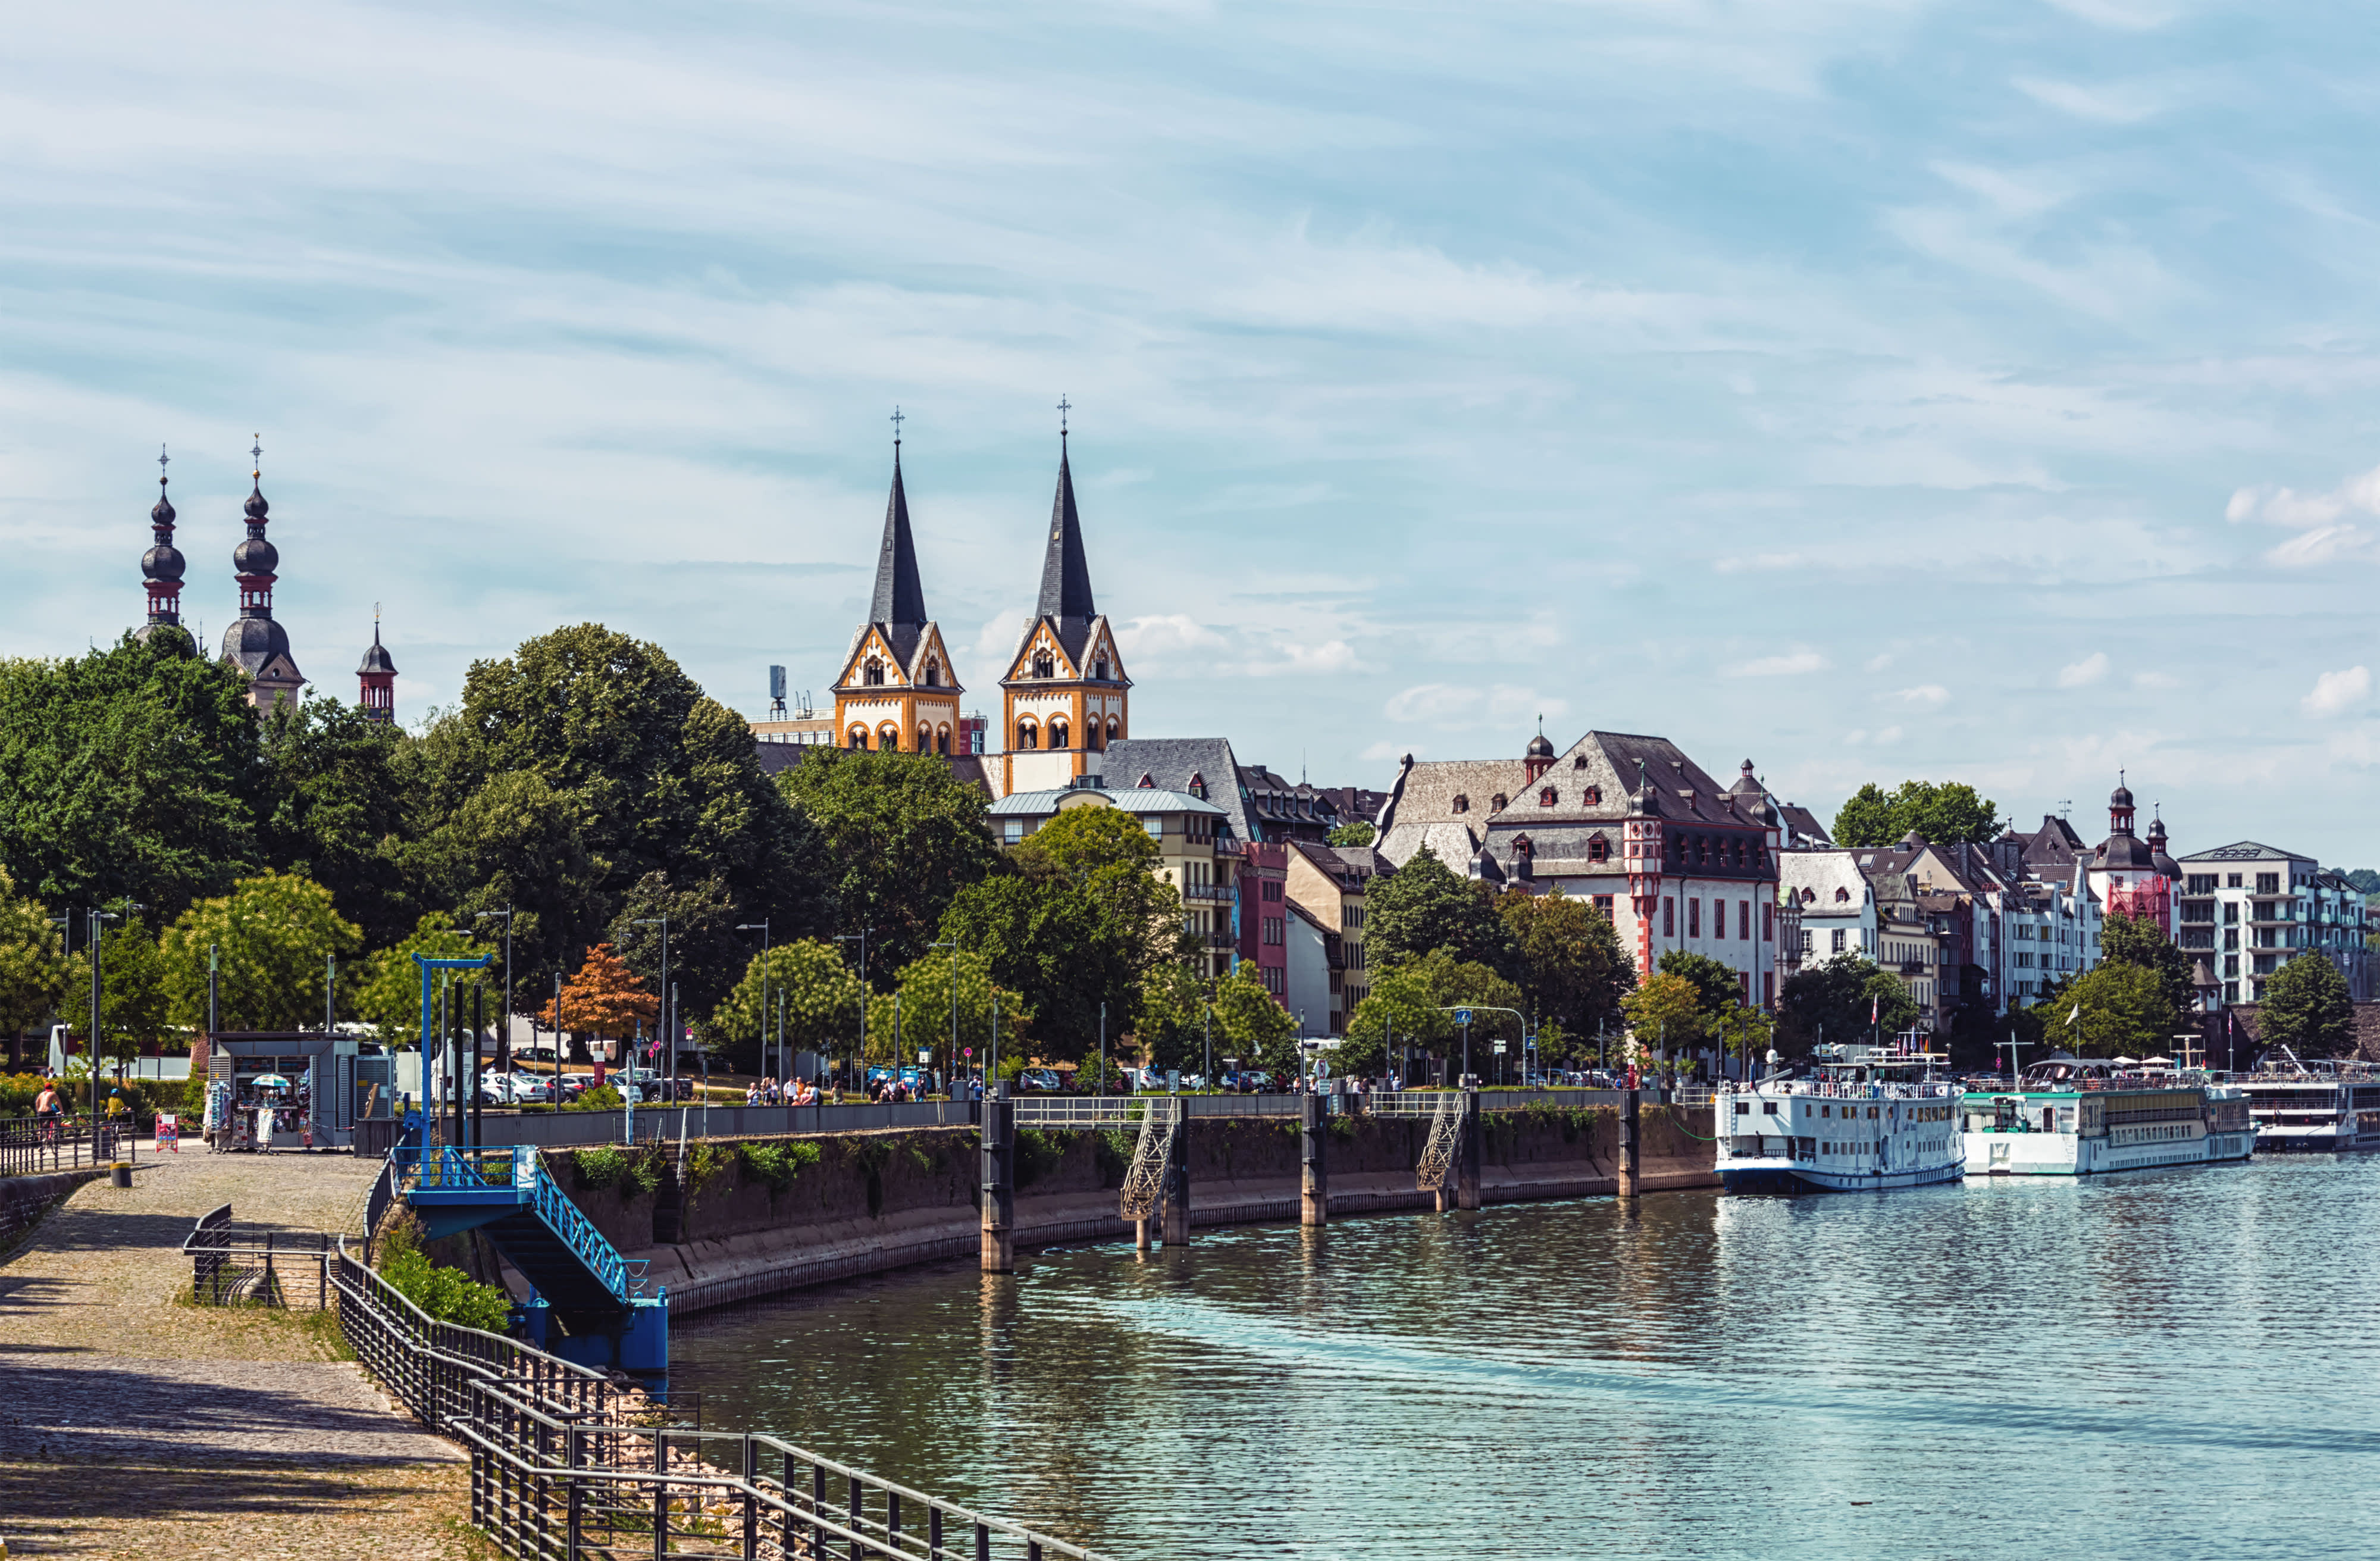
{"points": [[1064, 697]]}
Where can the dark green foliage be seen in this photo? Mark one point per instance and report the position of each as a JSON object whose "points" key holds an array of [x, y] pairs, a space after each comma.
{"points": [[902, 837], [708, 955], [132, 773], [1052, 943], [1715, 986], [1946, 813], [2305, 1006], [335, 811], [2136, 940], [1039, 1154], [1423, 906], [600, 1168], [1830, 1002], [775, 1165], [1356, 833], [1574, 970]]}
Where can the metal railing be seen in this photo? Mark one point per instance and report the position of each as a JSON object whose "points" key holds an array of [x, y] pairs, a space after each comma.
{"points": [[566, 1465], [242, 1264], [1084, 1111], [31, 1146], [519, 1172]]}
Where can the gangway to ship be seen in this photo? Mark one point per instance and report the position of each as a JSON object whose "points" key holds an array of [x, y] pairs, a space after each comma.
{"points": [[580, 1278]]}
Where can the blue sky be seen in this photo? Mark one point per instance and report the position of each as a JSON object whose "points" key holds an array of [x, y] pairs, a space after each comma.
{"points": [[1871, 390]]}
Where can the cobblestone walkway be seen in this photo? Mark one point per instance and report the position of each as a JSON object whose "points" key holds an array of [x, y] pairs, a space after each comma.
{"points": [[224, 1430]]}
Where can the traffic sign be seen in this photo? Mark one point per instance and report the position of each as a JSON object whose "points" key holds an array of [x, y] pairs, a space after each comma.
{"points": [[1462, 1015], [1500, 1048]]}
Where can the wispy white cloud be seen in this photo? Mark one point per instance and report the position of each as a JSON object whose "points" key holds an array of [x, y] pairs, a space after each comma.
{"points": [[1790, 664], [2335, 693], [2082, 673], [2121, 102], [1929, 695], [1454, 706]]}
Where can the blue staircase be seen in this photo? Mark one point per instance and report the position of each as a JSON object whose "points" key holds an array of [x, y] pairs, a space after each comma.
{"points": [[580, 1277]]}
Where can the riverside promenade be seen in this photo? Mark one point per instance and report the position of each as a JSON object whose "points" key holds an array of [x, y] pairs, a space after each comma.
{"points": [[133, 1424]]}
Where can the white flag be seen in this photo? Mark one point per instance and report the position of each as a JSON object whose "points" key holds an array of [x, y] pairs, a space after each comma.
{"points": [[2074, 1018]]}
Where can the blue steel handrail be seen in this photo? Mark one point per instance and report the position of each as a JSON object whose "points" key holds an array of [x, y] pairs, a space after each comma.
{"points": [[520, 1170]]}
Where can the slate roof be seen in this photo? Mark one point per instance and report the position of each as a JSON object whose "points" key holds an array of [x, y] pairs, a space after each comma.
{"points": [[1591, 783], [1814, 877], [1173, 763], [900, 596], [1801, 826], [1130, 799], [1421, 806], [2246, 850]]}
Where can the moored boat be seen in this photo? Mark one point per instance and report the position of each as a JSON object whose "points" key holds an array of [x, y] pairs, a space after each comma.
{"points": [[1868, 1120], [2073, 1116], [2312, 1108]]}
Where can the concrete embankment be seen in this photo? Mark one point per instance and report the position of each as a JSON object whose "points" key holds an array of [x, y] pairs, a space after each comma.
{"points": [[875, 1201]]}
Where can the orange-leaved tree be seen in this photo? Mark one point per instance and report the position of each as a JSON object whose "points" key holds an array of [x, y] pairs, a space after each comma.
{"points": [[603, 998]]}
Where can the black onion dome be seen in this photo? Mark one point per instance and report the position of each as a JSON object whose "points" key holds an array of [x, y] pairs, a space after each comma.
{"points": [[255, 508], [163, 514], [255, 556], [1539, 748], [163, 562], [2121, 798], [377, 659]]}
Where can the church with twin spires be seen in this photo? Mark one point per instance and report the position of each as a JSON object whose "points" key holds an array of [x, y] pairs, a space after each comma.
{"points": [[1064, 696]]}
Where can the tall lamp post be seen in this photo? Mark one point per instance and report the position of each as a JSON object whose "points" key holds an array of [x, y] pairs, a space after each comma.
{"points": [[91, 941], [667, 1030], [504, 1009], [953, 944], [860, 937], [762, 926]]}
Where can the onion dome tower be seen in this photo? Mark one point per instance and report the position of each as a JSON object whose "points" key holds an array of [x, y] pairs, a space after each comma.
{"points": [[162, 567], [378, 676], [254, 643]]}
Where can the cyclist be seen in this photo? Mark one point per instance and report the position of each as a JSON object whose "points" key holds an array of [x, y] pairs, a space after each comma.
{"points": [[48, 1111]]}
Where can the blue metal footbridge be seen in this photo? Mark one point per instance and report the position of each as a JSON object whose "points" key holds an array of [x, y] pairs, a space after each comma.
{"points": [[582, 1282]]}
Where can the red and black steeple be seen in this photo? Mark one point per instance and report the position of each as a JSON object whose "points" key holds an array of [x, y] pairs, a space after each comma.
{"points": [[162, 566], [378, 676], [254, 643]]}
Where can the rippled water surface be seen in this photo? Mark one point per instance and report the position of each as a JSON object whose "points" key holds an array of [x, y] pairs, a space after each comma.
{"points": [[2176, 1363]]}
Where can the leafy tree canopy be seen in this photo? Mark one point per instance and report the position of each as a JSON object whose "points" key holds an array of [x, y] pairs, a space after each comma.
{"points": [[2364, 881], [922, 1018], [335, 811], [2136, 940], [1173, 1026], [2113, 1010], [273, 936], [131, 991], [517, 843], [1573, 969], [1666, 1016], [705, 947], [1716, 987], [2306, 1007], [129, 774], [1423, 906], [904, 838], [1945, 813], [605, 998], [1359, 833], [1053, 943], [389, 994], [819, 992], [33, 969], [1260, 1032], [1833, 1000], [1106, 854]]}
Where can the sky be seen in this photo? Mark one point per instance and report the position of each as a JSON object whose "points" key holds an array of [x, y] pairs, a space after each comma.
{"points": [[1870, 389]]}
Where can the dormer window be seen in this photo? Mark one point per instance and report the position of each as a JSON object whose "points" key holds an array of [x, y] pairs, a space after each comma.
{"points": [[873, 673], [1594, 796], [1579, 762], [1523, 847], [1598, 849], [1461, 803], [1842, 895], [1497, 802], [1545, 797], [1199, 785]]}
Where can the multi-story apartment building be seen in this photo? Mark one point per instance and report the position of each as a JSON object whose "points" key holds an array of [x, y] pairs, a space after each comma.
{"points": [[2052, 934], [1196, 851], [1838, 904], [2249, 908], [1330, 884]]}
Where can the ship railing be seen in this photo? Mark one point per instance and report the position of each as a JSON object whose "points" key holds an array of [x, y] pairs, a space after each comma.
{"points": [[1829, 1089]]}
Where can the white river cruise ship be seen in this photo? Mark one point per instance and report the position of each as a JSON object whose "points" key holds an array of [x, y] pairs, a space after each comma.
{"points": [[2077, 1117], [2312, 1108], [1870, 1121]]}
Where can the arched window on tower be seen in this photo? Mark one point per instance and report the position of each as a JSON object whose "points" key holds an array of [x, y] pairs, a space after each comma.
{"points": [[942, 741], [1099, 669], [1091, 733], [873, 673], [888, 739], [1114, 726], [1058, 731], [1044, 665], [925, 740], [858, 739], [933, 678], [1028, 735]]}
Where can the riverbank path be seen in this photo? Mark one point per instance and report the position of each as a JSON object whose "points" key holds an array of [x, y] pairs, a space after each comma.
{"points": [[134, 1424]]}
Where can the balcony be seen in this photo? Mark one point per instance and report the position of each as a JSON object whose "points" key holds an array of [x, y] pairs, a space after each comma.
{"points": [[1214, 940], [1220, 893]]}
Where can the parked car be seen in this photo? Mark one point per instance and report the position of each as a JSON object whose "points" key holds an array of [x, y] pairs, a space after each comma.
{"points": [[570, 1086], [1042, 1081], [528, 1087]]}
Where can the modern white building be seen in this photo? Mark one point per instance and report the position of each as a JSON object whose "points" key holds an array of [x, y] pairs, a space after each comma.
{"points": [[2249, 908]]}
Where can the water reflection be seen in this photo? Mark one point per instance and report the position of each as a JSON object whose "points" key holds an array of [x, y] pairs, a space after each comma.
{"points": [[2142, 1366]]}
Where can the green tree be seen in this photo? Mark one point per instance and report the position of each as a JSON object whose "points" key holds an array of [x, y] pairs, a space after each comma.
{"points": [[1574, 970], [1359, 833], [1716, 987], [131, 991], [663, 778], [2136, 940], [1400, 1013], [1745, 1033], [1666, 1017], [820, 994], [2113, 1010], [1945, 813], [924, 1013], [1171, 1028], [1832, 1002], [336, 809], [273, 935], [705, 949], [1251, 1025], [905, 837], [1052, 943], [517, 843], [1108, 854], [2306, 1007], [33, 969], [388, 992], [129, 774], [1424, 906]]}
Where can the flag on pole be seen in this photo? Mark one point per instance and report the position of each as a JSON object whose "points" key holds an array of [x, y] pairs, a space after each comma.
{"points": [[2074, 1016], [1875, 1003]]}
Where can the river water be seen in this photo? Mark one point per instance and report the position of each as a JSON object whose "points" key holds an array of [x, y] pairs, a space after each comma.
{"points": [[2171, 1363]]}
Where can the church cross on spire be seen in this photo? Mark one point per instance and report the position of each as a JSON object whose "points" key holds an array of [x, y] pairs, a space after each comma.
{"points": [[896, 431], [256, 454], [1064, 406]]}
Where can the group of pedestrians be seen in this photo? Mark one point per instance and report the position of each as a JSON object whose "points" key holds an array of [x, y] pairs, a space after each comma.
{"points": [[767, 1091]]}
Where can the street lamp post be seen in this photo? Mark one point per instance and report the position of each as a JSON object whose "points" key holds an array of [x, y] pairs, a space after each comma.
{"points": [[92, 941], [504, 1009], [860, 937], [763, 925], [953, 944], [670, 1071]]}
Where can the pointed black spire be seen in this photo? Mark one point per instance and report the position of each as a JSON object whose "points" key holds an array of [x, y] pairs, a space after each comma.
{"points": [[900, 598], [1066, 576]]}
